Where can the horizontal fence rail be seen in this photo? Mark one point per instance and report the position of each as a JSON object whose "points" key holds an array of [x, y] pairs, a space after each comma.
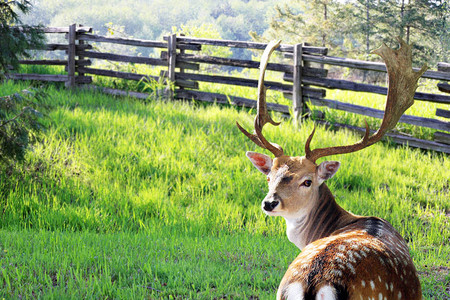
{"points": [[304, 77]]}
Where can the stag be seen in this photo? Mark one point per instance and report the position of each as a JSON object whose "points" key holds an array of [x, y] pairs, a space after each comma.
{"points": [[343, 256]]}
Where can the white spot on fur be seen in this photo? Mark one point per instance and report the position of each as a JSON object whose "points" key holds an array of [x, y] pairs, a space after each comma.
{"points": [[295, 291], [372, 284], [338, 260], [326, 293], [352, 269], [356, 246], [363, 283], [399, 295], [337, 273], [350, 256]]}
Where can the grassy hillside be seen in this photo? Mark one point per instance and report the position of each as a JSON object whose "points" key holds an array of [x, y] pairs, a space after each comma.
{"points": [[126, 199]]}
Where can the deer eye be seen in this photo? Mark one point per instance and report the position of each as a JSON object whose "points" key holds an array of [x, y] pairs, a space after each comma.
{"points": [[307, 183]]}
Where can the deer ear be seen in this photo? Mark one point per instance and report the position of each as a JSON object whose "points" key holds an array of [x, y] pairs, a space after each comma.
{"points": [[261, 161], [326, 170]]}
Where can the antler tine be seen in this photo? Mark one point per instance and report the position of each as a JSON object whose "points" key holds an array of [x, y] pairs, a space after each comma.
{"points": [[402, 80], [263, 116]]}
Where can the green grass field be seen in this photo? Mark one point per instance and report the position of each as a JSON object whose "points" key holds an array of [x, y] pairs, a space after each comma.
{"points": [[131, 199]]}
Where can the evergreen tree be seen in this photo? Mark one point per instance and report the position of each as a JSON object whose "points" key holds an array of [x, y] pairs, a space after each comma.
{"points": [[437, 28], [16, 38], [312, 22], [19, 118], [358, 26]]}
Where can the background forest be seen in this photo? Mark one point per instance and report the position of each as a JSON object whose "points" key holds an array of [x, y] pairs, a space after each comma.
{"points": [[348, 28]]}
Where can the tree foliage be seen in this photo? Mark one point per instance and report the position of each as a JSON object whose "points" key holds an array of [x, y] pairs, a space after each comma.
{"points": [[19, 118], [362, 25], [16, 37]]}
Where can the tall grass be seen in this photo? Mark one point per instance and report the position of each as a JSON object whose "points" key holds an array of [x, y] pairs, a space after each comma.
{"points": [[114, 173]]}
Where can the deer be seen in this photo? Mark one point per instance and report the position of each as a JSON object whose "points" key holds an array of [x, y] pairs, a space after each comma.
{"points": [[343, 255]]}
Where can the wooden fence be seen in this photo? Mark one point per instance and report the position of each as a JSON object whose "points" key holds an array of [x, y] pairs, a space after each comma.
{"points": [[304, 78]]}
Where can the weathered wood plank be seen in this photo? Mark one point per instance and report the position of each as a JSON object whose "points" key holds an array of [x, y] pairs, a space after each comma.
{"points": [[371, 112], [442, 113], [234, 81], [80, 63], [248, 45], [171, 62], [307, 92], [81, 29], [441, 137], [70, 83], [83, 79], [55, 47], [122, 41], [367, 65], [215, 60], [48, 62], [226, 99], [444, 87], [38, 77], [397, 138], [47, 77], [117, 74], [297, 96], [187, 66], [362, 87], [124, 58], [132, 42], [77, 65], [187, 84], [308, 72], [443, 67]]}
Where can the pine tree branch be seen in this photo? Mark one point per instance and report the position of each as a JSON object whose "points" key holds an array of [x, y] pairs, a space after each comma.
{"points": [[4, 123]]}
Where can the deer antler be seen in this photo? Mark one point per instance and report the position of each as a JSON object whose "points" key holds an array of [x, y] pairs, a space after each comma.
{"points": [[263, 116], [402, 86]]}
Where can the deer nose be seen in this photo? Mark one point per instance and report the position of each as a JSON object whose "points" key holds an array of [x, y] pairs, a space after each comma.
{"points": [[270, 205]]}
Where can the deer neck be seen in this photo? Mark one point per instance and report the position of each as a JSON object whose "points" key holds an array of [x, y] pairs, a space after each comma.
{"points": [[323, 218]]}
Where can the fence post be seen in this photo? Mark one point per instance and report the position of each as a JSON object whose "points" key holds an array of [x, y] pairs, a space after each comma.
{"points": [[182, 51], [70, 83], [80, 42], [172, 56], [297, 95]]}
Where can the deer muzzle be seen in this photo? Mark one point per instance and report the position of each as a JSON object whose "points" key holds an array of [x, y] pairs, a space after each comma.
{"points": [[271, 202]]}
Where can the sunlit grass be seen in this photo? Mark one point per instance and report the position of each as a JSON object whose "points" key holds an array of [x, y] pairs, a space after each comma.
{"points": [[116, 179]]}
